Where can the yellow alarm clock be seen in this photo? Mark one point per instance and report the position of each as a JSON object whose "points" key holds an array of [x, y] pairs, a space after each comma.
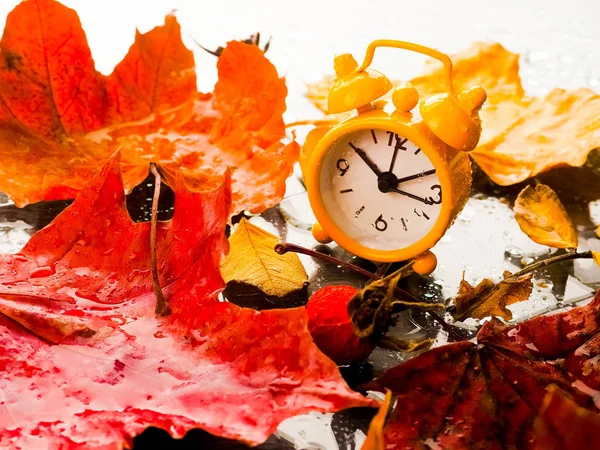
{"points": [[386, 186]]}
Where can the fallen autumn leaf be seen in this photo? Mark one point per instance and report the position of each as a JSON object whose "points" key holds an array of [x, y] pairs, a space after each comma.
{"points": [[60, 120], [541, 216], [487, 395], [253, 260], [85, 360], [489, 298]]}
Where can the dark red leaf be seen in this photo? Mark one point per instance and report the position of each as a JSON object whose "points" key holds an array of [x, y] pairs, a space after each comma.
{"points": [[487, 395]]}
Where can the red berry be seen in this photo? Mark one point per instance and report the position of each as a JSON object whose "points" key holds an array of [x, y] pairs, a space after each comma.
{"points": [[330, 326]]}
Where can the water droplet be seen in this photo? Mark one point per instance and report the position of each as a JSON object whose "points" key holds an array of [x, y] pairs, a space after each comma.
{"points": [[527, 260], [544, 284], [44, 271], [513, 252], [159, 335]]}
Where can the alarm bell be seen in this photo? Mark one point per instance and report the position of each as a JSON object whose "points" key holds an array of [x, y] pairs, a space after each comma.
{"points": [[352, 89], [457, 123]]}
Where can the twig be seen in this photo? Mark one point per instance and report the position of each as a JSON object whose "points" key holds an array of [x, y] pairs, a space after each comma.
{"points": [[552, 260], [162, 307], [446, 326], [284, 247]]}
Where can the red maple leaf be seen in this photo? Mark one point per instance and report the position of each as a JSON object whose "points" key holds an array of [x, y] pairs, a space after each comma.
{"points": [[84, 359], [60, 120], [487, 395]]}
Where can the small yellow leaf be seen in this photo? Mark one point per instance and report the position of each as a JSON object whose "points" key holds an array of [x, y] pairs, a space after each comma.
{"points": [[596, 256], [491, 299], [253, 260], [543, 218], [375, 440]]}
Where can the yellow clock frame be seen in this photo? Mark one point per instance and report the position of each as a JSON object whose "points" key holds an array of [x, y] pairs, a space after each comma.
{"points": [[446, 119]]}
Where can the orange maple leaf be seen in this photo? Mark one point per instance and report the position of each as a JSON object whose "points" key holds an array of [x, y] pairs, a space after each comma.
{"points": [[60, 120]]}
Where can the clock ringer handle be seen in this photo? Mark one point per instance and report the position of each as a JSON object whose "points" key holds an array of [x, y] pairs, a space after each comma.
{"points": [[445, 59]]}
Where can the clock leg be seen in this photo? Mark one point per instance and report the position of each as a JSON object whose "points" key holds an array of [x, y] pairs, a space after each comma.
{"points": [[319, 234], [425, 263]]}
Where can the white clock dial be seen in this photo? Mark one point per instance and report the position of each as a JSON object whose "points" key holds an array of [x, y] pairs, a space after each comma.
{"points": [[380, 189]]}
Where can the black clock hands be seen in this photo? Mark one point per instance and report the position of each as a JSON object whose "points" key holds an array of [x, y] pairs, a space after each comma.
{"points": [[366, 159], [416, 175], [388, 182], [413, 196]]}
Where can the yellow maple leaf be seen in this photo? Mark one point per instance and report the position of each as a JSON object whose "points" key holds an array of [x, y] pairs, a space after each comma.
{"points": [[375, 440], [543, 218], [491, 299], [253, 260]]}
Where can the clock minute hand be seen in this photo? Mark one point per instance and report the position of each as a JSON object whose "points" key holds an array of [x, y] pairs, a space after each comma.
{"points": [[416, 175], [413, 196], [366, 159]]}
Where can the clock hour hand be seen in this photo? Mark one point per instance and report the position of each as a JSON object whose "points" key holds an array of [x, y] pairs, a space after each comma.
{"points": [[413, 196], [416, 175], [366, 159]]}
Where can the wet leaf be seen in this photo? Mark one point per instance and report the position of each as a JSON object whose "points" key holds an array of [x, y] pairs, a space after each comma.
{"points": [[491, 299], [522, 136], [253, 260], [375, 439], [60, 120], [542, 217], [371, 308], [85, 362], [487, 394], [564, 425]]}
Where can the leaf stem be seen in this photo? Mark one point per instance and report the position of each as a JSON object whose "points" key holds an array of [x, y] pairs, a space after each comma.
{"points": [[284, 247], [162, 307], [551, 260]]}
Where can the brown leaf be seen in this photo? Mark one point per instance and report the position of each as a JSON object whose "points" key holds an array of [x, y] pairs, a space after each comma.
{"points": [[375, 439], [543, 218], [370, 310], [491, 299]]}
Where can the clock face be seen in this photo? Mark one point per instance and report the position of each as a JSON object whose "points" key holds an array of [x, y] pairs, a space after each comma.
{"points": [[380, 189]]}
